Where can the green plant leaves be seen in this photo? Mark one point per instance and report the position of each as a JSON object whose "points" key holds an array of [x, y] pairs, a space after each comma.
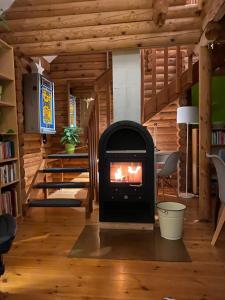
{"points": [[71, 135]]}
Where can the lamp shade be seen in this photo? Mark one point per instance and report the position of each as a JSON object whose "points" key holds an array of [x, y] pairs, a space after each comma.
{"points": [[187, 115]]}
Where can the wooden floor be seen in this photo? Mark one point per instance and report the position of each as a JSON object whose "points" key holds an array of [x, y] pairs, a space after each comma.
{"points": [[37, 267]]}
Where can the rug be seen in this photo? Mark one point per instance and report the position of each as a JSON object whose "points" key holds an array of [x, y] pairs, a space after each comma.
{"points": [[148, 245]]}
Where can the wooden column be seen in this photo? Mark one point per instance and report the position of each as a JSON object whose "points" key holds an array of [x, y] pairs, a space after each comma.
{"points": [[205, 72], [108, 104]]}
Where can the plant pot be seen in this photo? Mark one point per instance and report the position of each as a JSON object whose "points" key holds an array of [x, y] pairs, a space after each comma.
{"points": [[70, 148]]}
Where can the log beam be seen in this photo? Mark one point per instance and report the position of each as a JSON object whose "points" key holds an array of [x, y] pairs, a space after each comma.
{"points": [[205, 73], [93, 19], [21, 3], [88, 32], [110, 43], [160, 10]]}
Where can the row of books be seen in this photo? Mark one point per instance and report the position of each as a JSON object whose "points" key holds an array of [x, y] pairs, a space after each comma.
{"points": [[7, 150], [8, 173], [8, 203], [218, 137]]}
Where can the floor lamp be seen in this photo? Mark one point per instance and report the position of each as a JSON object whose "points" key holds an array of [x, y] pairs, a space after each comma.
{"points": [[187, 115]]}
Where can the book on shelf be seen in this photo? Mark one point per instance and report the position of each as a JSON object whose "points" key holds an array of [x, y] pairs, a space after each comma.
{"points": [[8, 203], [8, 173], [7, 150], [218, 137]]}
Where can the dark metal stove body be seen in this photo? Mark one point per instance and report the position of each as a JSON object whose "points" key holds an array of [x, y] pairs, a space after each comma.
{"points": [[126, 174]]}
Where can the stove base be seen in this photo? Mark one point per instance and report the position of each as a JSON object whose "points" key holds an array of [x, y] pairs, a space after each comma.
{"points": [[120, 225]]}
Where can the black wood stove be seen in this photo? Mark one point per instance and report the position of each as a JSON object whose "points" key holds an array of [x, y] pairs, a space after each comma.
{"points": [[126, 174]]}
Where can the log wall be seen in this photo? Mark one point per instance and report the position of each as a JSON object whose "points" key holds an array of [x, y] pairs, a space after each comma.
{"points": [[80, 71], [165, 128], [30, 144]]}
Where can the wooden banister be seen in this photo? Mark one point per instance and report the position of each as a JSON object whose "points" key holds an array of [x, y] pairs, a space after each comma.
{"points": [[166, 67], [178, 69]]}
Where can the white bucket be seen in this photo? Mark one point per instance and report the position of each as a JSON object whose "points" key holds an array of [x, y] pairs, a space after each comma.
{"points": [[171, 219]]}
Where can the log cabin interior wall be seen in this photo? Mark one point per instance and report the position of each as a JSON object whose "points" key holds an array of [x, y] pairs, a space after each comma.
{"points": [[80, 72], [75, 74], [30, 144]]}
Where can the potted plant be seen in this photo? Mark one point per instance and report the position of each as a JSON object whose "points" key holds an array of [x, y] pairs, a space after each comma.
{"points": [[70, 138]]}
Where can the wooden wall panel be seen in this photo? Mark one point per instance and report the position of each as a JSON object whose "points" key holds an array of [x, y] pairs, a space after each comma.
{"points": [[80, 71], [165, 128], [30, 144]]}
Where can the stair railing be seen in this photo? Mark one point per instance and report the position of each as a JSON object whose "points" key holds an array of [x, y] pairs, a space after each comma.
{"points": [[93, 138], [172, 87]]}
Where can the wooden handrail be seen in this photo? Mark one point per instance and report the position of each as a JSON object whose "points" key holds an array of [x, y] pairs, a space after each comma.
{"points": [[169, 94]]}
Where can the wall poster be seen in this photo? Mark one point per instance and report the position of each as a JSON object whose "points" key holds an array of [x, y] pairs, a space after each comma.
{"points": [[47, 107], [72, 111]]}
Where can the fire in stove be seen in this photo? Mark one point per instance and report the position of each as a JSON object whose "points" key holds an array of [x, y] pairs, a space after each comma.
{"points": [[127, 172]]}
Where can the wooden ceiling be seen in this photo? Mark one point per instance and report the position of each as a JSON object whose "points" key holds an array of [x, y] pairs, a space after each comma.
{"points": [[46, 27]]}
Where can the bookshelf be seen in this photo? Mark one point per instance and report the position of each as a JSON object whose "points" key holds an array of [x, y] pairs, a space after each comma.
{"points": [[10, 201], [218, 137]]}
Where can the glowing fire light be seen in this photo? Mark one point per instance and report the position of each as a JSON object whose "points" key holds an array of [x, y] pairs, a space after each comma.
{"points": [[131, 171], [118, 174]]}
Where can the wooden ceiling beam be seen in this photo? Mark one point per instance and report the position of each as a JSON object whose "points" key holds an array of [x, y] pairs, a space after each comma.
{"points": [[78, 66], [160, 11], [61, 9], [76, 73], [164, 39], [94, 19], [66, 34], [80, 58], [19, 3]]}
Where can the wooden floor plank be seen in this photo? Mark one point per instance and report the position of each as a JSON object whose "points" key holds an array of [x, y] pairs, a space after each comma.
{"points": [[37, 267]]}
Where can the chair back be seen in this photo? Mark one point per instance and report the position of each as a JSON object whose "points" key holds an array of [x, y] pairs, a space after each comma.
{"points": [[221, 154], [170, 165], [220, 172]]}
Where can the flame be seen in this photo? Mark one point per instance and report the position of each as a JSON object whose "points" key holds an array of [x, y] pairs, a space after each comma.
{"points": [[118, 174], [127, 173], [131, 171]]}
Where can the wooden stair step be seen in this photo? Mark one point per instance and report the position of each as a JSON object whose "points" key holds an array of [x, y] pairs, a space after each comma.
{"points": [[65, 170], [61, 185], [55, 202], [66, 156]]}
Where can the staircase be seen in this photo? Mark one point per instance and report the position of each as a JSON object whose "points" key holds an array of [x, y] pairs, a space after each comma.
{"points": [[168, 73], [48, 186]]}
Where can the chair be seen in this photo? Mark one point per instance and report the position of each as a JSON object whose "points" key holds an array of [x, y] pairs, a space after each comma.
{"points": [[221, 154], [170, 167], [220, 171], [7, 235]]}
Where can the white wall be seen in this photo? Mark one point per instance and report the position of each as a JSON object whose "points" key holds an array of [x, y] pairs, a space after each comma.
{"points": [[5, 4], [126, 85]]}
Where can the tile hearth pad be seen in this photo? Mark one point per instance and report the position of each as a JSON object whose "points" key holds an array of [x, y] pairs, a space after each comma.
{"points": [[130, 244]]}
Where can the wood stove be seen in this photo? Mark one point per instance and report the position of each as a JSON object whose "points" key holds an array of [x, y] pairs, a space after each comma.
{"points": [[126, 174]]}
